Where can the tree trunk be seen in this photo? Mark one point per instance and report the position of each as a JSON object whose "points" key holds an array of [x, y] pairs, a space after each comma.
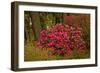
{"points": [[36, 27], [27, 28]]}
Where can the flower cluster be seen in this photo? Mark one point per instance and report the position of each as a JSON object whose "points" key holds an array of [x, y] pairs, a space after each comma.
{"points": [[62, 39]]}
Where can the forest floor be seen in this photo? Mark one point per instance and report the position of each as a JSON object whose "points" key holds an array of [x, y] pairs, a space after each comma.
{"points": [[32, 53]]}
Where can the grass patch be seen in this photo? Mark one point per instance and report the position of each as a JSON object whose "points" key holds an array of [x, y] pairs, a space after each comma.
{"points": [[32, 53]]}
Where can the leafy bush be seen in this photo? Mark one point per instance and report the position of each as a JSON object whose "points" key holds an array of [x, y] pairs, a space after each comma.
{"points": [[63, 39]]}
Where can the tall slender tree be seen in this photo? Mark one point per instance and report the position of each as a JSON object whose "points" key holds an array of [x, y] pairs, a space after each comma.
{"points": [[35, 24]]}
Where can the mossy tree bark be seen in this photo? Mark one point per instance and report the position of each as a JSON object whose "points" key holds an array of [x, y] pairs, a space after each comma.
{"points": [[27, 35], [36, 27]]}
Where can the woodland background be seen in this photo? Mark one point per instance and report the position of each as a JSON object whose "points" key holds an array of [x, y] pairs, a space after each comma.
{"points": [[37, 21]]}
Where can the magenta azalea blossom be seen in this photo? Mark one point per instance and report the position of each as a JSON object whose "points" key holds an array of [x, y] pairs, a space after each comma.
{"points": [[62, 38]]}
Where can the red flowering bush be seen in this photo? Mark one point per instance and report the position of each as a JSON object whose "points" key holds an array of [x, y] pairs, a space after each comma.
{"points": [[62, 38]]}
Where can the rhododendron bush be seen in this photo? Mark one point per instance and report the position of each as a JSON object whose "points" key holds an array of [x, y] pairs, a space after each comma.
{"points": [[62, 39]]}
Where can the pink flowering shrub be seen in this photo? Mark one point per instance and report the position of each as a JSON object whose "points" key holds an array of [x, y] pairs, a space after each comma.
{"points": [[62, 38]]}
